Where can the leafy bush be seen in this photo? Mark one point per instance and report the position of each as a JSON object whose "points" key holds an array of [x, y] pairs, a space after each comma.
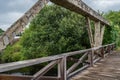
{"points": [[11, 53]]}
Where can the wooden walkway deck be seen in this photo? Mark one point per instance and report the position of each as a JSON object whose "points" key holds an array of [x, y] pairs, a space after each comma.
{"points": [[106, 69]]}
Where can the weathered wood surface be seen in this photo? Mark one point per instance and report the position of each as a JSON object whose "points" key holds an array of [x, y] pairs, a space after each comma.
{"points": [[80, 7], [44, 70], [107, 69], [90, 33]]}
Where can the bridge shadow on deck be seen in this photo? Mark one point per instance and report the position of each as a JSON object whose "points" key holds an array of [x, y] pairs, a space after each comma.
{"points": [[106, 69]]}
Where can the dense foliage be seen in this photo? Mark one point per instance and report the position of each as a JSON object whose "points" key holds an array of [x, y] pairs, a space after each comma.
{"points": [[55, 30], [114, 17], [112, 34]]}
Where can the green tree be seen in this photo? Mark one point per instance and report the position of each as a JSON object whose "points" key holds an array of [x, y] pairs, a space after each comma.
{"points": [[114, 17], [112, 33], [55, 30]]}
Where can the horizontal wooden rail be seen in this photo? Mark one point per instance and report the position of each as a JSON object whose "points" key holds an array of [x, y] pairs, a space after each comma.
{"points": [[25, 63], [49, 78], [12, 77], [86, 58]]}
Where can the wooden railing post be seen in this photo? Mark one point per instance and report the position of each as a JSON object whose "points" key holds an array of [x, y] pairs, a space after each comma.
{"points": [[102, 52], [113, 46], [90, 58], [89, 30], [109, 49], [62, 69]]}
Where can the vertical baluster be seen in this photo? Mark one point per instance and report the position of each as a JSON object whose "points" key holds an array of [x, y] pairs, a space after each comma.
{"points": [[62, 69], [109, 49], [102, 52], [90, 57]]}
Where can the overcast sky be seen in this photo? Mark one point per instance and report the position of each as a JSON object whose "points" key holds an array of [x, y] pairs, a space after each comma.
{"points": [[11, 10]]}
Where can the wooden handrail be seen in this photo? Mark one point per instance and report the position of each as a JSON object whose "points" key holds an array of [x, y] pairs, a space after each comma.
{"points": [[61, 61], [25, 63]]}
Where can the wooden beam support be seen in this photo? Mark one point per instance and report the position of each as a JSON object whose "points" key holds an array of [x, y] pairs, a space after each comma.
{"points": [[102, 33], [45, 70], [90, 32], [80, 7], [97, 36], [76, 64], [78, 70]]}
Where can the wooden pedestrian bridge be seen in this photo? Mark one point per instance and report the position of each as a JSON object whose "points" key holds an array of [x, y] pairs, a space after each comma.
{"points": [[100, 62], [89, 65]]}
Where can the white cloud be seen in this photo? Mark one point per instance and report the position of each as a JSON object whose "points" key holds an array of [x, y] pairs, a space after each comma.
{"points": [[104, 5], [5, 27], [8, 19], [12, 10]]}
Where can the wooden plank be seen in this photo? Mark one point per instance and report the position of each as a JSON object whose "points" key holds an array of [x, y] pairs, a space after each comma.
{"points": [[78, 71], [26, 63], [107, 69], [76, 64], [12, 77], [45, 70], [96, 60]]}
